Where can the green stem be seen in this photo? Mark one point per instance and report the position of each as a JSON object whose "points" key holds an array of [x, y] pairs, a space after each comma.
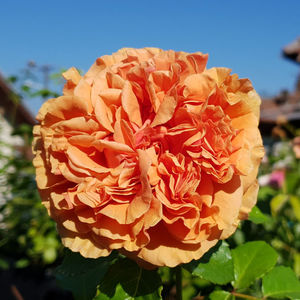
{"points": [[244, 296], [178, 273]]}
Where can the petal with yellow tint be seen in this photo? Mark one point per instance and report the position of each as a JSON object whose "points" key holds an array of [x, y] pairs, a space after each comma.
{"points": [[228, 198], [165, 111], [130, 104], [198, 86]]}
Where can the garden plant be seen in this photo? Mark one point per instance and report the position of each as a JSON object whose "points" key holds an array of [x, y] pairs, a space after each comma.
{"points": [[148, 166]]}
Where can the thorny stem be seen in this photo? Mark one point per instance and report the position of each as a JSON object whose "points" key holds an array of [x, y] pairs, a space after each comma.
{"points": [[245, 296], [178, 273], [16, 292]]}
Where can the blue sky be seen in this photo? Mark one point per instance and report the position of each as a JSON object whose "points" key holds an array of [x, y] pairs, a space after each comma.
{"points": [[246, 36]]}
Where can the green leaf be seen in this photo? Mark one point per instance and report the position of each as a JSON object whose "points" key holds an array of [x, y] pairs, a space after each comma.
{"points": [[219, 268], [120, 294], [277, 203], [188, 292], [12, 79], [82, 275], [257, 217], [22, 263], [266, 193], [251, 261], [291, 182], [4, 265], [165, 274], [239, 237], [220, 295], [44, 93], [295, 202], [281, 282], [297, 263], [25, 88], [135, 281], [204, 259], [49, 255]]}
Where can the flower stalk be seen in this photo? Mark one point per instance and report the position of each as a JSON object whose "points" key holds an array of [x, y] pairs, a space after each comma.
{"points": [[178, 274], [243, 296]]}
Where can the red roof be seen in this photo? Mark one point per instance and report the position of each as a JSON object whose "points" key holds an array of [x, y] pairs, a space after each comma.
{"points": [[292, 50], [16, 113]]}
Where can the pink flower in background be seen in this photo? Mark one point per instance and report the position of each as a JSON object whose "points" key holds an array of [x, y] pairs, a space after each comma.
{"points": [[277, 178]]}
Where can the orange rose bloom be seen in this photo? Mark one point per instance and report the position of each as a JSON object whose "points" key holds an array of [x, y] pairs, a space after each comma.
{"points": [[149, 153]]}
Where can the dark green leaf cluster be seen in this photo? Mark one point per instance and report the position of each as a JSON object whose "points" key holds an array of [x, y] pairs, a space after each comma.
{"points": [[114, 277], [247, 271]]}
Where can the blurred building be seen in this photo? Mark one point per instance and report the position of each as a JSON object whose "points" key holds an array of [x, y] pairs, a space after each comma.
{"points": [[12, 115], [286, 105]]}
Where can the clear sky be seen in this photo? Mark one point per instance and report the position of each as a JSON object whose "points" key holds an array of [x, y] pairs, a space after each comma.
{"points": [[246, 36]]}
